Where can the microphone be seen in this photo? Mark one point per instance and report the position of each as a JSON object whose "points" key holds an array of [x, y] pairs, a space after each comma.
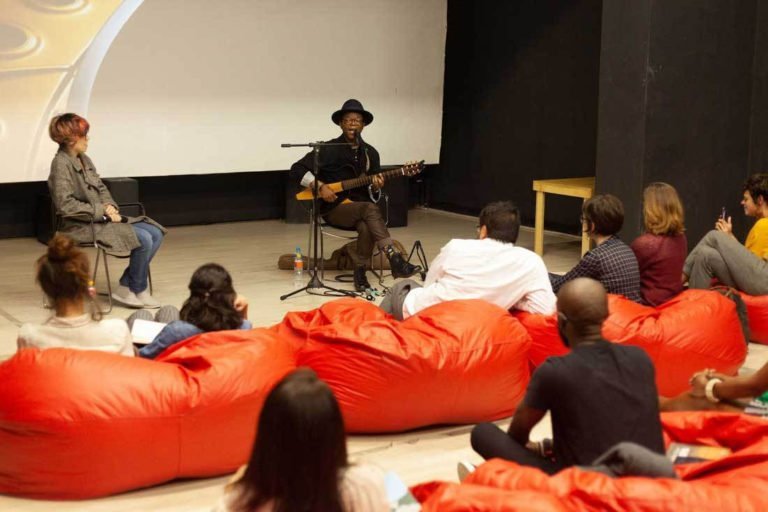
{"points": [[358, 139]]}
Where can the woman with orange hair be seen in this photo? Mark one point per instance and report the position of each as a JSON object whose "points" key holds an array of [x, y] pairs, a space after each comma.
{"points": [[79, 196], [661, 251]]}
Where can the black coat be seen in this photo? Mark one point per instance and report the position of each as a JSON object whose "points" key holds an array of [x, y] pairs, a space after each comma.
{"points": [[338, 163]]}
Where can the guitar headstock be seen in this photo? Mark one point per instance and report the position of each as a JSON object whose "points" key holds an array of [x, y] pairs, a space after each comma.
{"points": [[413, 168]]}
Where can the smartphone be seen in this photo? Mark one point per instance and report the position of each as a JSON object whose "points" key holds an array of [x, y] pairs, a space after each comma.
{"points": [[722, 213]]}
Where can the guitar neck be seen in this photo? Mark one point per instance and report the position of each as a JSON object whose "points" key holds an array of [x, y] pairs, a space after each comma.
{"points": [[368, 179]]}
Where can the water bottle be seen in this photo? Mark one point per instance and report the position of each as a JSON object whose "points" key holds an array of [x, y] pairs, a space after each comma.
{"points": [[298, 269]]}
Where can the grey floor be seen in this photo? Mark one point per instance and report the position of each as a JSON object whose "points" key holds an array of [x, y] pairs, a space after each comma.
{"points": [[250, 251]]}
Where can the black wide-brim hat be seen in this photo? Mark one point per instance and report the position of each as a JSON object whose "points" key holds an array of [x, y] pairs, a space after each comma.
{"points": [[352, 106]]}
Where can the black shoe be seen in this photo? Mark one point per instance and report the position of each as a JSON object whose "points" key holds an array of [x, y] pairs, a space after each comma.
{"points": [[360, 280], [400, 267]]}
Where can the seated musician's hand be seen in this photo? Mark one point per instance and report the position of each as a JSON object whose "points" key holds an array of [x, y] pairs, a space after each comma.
{"points": [[110, 209], [377, 181], [326, 194]]}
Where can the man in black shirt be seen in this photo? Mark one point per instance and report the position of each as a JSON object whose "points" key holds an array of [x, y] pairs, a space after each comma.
{"points": [[354, 209], [600, 394]]}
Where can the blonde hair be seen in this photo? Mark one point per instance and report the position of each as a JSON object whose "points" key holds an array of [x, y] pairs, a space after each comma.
{"points": [[662, 210]]}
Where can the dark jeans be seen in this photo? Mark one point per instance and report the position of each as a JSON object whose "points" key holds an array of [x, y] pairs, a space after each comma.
{"points": [[150, 238], [623, 459], [490, 441], [367, 220]]}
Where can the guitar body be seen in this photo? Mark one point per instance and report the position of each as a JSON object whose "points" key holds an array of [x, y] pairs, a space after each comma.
{"points": [[306, 194], [341, 188]]}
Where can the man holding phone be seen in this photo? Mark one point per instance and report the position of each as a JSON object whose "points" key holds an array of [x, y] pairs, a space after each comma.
{"points": [[719, 254]]}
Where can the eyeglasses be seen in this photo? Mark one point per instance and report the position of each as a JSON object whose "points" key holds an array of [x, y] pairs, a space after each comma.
{"points": [[352, 120]]}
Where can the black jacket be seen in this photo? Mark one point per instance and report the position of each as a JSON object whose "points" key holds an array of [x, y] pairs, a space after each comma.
{"points": [[337, 163]]}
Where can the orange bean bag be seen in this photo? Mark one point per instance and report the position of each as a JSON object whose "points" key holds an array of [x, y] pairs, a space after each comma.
{"points": [[697, 329], [736, 482], [81, 424], [456, 362], [757, 312]]}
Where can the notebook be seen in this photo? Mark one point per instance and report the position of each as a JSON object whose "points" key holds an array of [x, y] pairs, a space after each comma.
{"points": [[144, 331], [681, 453]]}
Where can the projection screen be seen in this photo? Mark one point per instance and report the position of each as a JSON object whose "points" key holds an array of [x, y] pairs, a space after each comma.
{"points": [[191, 86]]}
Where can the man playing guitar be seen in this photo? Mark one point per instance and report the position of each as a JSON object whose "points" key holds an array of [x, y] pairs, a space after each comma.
{"points": [[353, 208]]}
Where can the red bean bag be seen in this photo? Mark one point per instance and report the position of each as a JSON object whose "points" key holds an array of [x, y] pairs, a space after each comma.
{"points": [[697, 329], [80, 424], [736, 482], [456, 362], [757, 312]]}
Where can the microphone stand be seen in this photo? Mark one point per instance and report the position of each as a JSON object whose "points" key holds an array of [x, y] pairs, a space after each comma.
{"points": [[315, 283]]}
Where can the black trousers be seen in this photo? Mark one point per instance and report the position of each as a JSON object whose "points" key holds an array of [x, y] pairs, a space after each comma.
{"points": [[367, 220], [491, 442]]}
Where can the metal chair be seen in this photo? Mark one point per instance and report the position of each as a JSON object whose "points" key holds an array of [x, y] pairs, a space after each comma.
{"points": [[101, 251], [340, 233]]}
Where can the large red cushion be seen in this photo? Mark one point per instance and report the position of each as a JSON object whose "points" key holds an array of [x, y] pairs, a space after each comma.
{"points": [[81, 424], [737, 482], [456, 362], [695, 330], [757, 311]]}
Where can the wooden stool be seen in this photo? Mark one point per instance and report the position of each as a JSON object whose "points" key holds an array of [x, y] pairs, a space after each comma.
{"points": [[572, 187]]}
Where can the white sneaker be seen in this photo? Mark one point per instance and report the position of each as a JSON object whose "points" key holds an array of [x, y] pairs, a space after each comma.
{"points": [[148, 300], [126, 297], [464, 468]]}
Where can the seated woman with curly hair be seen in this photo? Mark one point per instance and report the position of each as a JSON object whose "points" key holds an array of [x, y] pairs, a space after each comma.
{"points": [[213, 305], [63, 274]]}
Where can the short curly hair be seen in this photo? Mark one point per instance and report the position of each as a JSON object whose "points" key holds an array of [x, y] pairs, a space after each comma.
{"points": [[757, 186]]}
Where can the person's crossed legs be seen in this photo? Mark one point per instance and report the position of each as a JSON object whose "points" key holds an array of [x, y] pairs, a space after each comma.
{"points": [[490, 441]]}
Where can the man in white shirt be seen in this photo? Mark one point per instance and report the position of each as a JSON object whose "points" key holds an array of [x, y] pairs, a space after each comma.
{"points": [[491, 268]]}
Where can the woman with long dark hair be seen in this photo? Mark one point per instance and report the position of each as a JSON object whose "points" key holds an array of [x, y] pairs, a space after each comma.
{"points": [[213, 305], [80, 197], [299, 458], [63, 274]]}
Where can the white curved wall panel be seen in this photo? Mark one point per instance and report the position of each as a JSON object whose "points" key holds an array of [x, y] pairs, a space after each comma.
{"points": [[44, 57], [195, 86]]}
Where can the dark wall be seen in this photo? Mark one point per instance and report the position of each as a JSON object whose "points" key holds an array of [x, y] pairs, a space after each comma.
{"points": [[171, 200], [758, 147], [677, 104], [209, 198], [520, 103], [198, 199], [19, 208]]}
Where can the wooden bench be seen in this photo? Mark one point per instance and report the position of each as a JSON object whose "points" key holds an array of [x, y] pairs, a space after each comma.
{"points": [[572, 187]]}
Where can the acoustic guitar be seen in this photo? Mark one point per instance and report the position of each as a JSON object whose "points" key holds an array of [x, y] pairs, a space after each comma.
{"points": [[362, 181]]}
